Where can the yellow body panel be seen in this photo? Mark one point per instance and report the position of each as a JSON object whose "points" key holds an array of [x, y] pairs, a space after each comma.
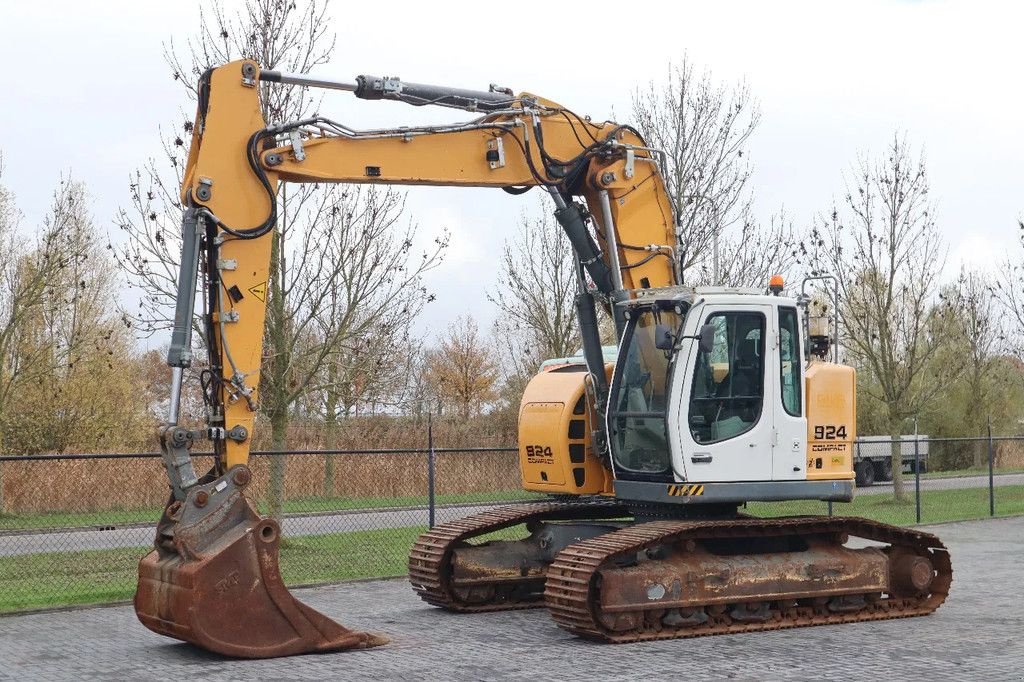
{"points": [[555, 451], [831, 420]]}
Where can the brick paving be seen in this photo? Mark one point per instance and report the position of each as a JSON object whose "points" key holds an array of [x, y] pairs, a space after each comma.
{"points": [[977, 634]]}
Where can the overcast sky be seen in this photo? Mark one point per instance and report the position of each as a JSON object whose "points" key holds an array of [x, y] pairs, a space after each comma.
{"points": [[86, 89]]}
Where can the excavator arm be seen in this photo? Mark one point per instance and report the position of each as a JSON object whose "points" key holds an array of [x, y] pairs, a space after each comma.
{"points": [[214, 555], [236, 162]]}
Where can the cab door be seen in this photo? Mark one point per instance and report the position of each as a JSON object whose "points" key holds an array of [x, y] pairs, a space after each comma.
{"points": [[790, 438], [725, 414]]}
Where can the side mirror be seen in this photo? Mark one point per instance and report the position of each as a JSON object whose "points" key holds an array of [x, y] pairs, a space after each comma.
{"points": [[663, 339], [707, 338]]}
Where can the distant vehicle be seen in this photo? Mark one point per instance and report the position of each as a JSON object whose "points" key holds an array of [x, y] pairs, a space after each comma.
{"points": [[872, 457]]}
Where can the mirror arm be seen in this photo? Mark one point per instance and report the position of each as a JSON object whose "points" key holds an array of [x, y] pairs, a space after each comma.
{"points": [[696, 337]]}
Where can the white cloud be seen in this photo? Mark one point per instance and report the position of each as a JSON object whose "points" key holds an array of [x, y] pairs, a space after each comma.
{"points": [[974, 251]]}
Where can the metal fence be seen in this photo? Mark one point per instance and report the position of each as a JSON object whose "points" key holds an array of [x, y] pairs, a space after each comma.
{"points": [[73, 527], [941, 479]]}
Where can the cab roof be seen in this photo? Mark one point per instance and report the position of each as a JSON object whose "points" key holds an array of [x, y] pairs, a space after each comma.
{"points": [[692, 295]]}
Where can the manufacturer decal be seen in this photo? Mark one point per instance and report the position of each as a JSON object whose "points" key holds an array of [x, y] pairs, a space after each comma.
{"points": [[539, 454], [829, 432]]}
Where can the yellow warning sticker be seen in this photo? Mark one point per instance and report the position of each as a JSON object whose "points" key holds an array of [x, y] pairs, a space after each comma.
{"points": [[259, 291]]}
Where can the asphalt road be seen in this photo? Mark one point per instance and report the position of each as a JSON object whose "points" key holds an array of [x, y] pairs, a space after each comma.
{"points": [[975, 635], [295, 526]]}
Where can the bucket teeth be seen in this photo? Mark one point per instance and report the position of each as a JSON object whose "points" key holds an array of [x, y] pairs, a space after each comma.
{"points": [[218, 585]]}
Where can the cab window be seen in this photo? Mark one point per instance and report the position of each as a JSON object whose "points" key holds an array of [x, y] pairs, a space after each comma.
{"points": [[728, 382], [789, 355]]}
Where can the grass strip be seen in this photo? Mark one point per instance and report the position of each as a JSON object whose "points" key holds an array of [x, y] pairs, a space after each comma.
{"points": [[937, 506], [35, 581]]}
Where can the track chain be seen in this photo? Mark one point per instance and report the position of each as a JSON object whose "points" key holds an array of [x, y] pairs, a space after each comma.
{"points": [[430, 557], [572, 592]]}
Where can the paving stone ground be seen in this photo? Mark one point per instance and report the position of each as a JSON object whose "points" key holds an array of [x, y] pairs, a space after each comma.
{"points": [[977, 634]]}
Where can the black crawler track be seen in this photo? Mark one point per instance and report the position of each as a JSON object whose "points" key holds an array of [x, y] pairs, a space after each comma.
{"points": [[571, 590], [430, 557], [572, 587]]}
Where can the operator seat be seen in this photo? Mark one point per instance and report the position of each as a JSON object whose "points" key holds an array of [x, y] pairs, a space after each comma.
{"points": [[747, 369]]}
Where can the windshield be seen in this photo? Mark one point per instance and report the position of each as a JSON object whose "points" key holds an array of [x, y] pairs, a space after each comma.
{"points": [[637, 405]]}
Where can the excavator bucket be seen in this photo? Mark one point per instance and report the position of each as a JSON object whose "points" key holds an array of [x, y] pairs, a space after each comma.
{"points": [[213, 580]]}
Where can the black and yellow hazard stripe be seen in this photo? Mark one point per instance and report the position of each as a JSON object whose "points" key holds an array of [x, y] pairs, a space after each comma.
{"points": [[688, 490]]}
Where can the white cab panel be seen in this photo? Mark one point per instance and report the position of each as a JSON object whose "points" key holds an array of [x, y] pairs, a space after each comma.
{"points": [[724, 414], [737, 414]]}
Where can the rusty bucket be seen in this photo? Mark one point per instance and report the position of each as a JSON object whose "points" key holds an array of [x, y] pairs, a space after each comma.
{"points": [[214, 581]]}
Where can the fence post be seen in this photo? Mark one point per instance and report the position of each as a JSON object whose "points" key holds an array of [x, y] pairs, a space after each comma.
{"points": [[430, 469], [991, 480], [917, 470], [830, 507]]}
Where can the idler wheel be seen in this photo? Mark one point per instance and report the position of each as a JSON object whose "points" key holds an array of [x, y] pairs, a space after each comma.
{"points": [[913, 574]]}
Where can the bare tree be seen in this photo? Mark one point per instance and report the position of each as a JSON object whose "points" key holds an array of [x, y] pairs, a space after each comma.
{"points": [[536, 287], [24, 276], [980, 339], [21, 290], [704, 128], [48, 315], [421, 399], [339, 314], [290, 36], [756, 252], [883, 246], [336, 277], [1009, 286]]}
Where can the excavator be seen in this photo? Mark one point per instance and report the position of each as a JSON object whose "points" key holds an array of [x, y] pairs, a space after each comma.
{"points": [[718, 397]]}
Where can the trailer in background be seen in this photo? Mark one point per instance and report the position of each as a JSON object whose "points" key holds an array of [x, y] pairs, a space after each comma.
{"points": [[872, 457]]}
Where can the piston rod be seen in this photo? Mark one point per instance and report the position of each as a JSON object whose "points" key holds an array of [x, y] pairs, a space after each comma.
{"points": [[309, 81], [418, 94]]}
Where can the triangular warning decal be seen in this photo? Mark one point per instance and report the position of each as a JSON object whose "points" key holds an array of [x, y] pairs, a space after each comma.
{"points": [[259, 291]]}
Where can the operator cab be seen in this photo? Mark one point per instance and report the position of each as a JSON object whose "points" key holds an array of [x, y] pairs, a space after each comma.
{"points": [[708, 387]]}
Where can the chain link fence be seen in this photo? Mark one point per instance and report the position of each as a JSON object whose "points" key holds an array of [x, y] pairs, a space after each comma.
{"points": [[73, 527]]}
